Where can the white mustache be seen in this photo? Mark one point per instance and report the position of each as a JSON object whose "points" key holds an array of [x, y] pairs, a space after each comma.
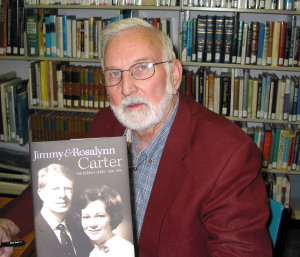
{"points": [[128, 100]]}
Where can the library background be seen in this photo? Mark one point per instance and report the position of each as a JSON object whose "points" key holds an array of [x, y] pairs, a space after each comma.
{"points": [[241, 59]]}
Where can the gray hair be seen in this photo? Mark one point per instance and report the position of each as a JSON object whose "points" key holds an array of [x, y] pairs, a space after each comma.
{"points": [[116, 28]]}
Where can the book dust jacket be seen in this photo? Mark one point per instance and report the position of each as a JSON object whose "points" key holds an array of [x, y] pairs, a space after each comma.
{"points": [[81, 197]]}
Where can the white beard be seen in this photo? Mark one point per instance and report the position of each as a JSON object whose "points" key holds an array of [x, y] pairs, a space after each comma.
{"points": [[146, 116]]}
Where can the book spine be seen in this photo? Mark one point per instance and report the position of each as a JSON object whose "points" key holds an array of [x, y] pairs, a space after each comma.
{"points": [[48, 37], [201, 37], [244, 43], [32, 35], [270, 43], [266, 44], [240, 42], [219, 39], [281, 43], [53, 36], [292, 40], [59, 37], [229, 38], [235, 36], [254, 42], [245, 94], [275, 45], [210, 33], [65, 36], [260, 43]]}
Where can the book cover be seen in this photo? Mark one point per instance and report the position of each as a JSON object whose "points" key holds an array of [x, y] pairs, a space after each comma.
{"points": [[48, 37], [225, 91], [82, 178], [52, 20], [240, 42], [255, 25], [245, 93], [210, 38], [266, 44], [23, 116], [292, 21], [244, 43], [201, 37], [219, 39], [270, 42], [236, 20], [248, 44], [281, 43], [32, 35], [228, 39], [260, 44], [275, 44]]}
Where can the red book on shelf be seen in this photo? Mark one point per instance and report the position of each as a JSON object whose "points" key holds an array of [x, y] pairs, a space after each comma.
{"points": [[270, 44], [281, 43]]}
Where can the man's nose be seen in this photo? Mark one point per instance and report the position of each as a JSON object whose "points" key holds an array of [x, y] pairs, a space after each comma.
{"points": [[127, 83]]}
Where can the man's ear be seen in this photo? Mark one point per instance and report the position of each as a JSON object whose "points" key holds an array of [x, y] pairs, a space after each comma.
{"points": [[41, 194], [176, 74]]}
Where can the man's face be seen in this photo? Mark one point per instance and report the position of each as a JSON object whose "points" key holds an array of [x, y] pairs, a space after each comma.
{"points": [[57, 193], [138, 104]]}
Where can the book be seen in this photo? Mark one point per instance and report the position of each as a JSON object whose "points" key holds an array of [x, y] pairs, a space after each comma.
{"points": [[52, 21], [228, 38], [292, 21], [270, 42], [240, 42], [281, 43], [265, 44], [83, 168], [219, 39], [32, 35], [23, 116], [201, 37], [236, 20], [225, 91], [275, 44], [254, 42], [260, 43], [210, 38]]}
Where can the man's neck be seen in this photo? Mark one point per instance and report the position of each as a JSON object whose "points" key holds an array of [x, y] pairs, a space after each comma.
{"points": [[55, 217]]}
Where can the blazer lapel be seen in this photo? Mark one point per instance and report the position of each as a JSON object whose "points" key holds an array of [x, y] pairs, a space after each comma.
{"points": [[169, 178]]}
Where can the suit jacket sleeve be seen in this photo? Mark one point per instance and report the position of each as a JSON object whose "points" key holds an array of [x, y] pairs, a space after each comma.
{"points": [[20, 211], [236, 212]]}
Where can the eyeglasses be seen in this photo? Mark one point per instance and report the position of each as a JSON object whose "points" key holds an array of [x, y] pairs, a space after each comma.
{"points": [[138, 71]]}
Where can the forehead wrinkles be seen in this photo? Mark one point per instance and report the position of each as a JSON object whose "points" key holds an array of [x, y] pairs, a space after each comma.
{"points": [[142, 41]]}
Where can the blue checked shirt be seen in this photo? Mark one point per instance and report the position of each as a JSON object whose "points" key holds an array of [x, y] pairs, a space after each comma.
{"points": [[147, 163]]}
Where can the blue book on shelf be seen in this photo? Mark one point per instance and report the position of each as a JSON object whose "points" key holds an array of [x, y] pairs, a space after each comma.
{"points": [[65, 36], [260, 43], [48, 37], [267, 96], [189, 40], [291, 99], [53, 35]]}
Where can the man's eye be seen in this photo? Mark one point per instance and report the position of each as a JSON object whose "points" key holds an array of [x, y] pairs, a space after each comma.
{"points": [[115, 74], [143, 67]]}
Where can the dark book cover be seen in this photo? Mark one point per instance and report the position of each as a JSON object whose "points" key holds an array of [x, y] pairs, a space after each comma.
{"points": [[210, 38], [32, 35], [293, 20], [219, 39], [3, 27], [287, 44], [254, 42], [225, 92], [281, 43], [201, 37], [236, 20], [85, 184], [228, 38]]}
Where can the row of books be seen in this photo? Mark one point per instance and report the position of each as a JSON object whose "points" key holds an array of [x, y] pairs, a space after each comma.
{"points": [[288, 5], [11, 27], [47, 125], [105, 2], [278, 188], [14, 109], [227, 39], [262, 97], [278, 144], [59, 84], [65, 36]]}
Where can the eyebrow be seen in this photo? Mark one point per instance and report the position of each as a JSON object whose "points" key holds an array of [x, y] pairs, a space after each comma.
{"points": [[135, 62]]}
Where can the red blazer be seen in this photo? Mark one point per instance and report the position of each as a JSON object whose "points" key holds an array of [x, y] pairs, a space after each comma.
{"points": [[208, 197]]}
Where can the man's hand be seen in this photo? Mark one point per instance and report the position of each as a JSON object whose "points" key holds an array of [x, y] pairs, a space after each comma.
{"points": [[7, 231]]}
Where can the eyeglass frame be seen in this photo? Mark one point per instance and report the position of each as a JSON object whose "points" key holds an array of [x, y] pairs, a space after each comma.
{"points": [[153, 65]]}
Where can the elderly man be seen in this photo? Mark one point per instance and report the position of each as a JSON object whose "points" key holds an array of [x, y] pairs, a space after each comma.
{"points": [[196, 179]]}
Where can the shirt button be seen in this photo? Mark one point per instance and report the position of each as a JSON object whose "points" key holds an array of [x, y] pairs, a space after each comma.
{"points": [[150, 161], [134, 168]]}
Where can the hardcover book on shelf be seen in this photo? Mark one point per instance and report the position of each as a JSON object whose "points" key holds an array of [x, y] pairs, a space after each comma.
{"points": [[201, 37], [94, 176], [32, 35]]}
